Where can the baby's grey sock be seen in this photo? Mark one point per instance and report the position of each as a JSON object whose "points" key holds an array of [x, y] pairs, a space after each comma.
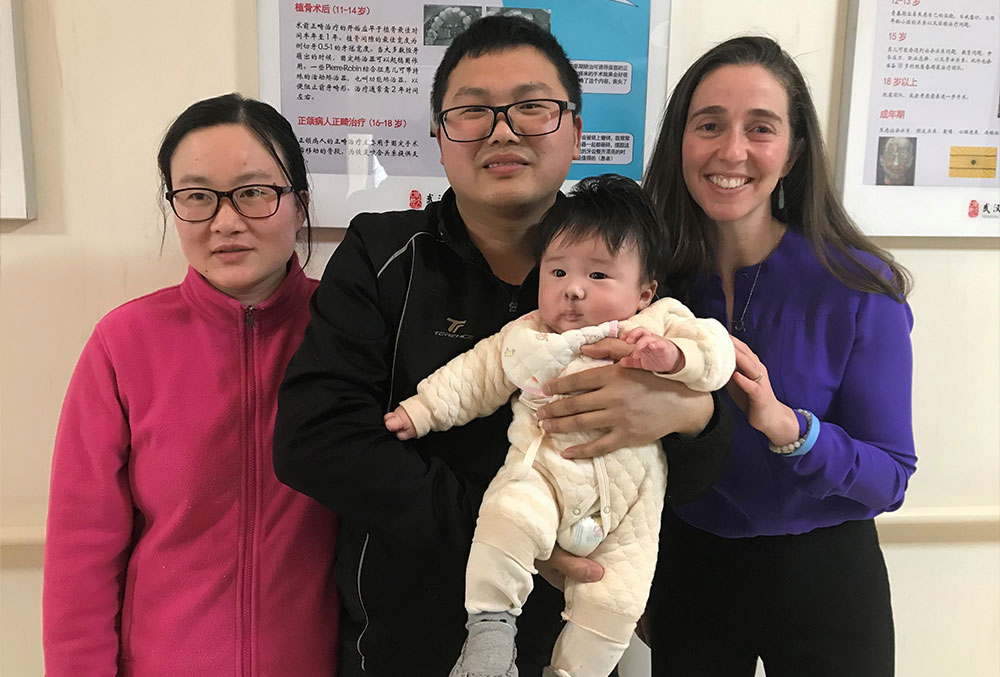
{"points": [[489, 648]]}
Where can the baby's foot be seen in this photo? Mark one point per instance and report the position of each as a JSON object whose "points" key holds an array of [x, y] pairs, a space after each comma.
{"points": [[489, 648]]}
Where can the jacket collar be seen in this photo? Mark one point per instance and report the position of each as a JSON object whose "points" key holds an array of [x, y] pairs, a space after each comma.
{"points": [[451, 228], [452, 231], [223, 310]]}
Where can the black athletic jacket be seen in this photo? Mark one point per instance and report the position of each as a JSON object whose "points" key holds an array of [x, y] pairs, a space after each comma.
{"points": [[404, 293]]}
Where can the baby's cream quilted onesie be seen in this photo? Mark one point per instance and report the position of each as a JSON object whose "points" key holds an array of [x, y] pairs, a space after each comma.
{"points": [[607, 508]]}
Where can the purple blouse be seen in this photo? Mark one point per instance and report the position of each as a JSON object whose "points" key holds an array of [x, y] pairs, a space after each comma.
{"points": [[842, 354]]}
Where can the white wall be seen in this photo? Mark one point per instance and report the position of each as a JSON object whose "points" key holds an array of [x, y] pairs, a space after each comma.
{"points": [[106, 77]]}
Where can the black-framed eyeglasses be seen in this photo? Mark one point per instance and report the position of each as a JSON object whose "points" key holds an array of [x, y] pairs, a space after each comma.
{"points": [[254, 201], [532, 117]]}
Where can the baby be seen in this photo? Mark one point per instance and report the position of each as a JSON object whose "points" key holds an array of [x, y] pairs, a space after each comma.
{"points": [[599, 251]]}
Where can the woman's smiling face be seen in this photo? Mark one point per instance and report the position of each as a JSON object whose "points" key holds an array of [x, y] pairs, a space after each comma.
{"points": [[737, 143]]}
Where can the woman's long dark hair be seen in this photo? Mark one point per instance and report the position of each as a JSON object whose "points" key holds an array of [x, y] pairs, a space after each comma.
{"points": [[812, 205], [264, 122]]}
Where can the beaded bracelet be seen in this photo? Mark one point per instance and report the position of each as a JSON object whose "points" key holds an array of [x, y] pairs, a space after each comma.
{"points": [[805, 442]]}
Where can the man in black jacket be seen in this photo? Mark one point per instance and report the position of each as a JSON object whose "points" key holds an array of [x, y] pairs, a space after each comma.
{"points": [[407, 291]]}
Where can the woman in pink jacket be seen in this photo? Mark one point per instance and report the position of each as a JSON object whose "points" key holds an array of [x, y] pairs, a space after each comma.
{"points": [[171, 547]]}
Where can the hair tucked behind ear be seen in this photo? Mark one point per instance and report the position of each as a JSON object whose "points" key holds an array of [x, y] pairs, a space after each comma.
{"points": [[812, 205]]}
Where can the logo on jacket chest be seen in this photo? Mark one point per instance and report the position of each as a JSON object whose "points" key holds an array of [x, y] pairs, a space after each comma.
{"points": [[454, 327]]}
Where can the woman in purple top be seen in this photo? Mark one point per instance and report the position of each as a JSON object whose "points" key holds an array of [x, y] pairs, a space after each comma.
{"points": [[780, 559]]}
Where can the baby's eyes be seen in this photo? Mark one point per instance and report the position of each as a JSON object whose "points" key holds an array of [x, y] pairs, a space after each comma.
{"points": [[596, 275]]}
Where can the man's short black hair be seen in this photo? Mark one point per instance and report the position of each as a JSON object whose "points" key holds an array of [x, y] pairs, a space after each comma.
{"points": [[611, 207], [498, 33]]}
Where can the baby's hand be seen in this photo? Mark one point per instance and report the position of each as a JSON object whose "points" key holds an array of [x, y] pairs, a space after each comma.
{"points": [[652, 352], [399, 422]]}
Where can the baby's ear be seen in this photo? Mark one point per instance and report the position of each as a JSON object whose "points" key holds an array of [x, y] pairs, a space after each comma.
{"points": [[646, 294]]}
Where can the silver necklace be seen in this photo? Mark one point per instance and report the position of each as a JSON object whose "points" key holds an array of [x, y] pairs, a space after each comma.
{"points": [[739, 325]]}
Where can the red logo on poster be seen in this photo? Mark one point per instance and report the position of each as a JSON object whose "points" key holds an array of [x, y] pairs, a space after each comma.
{"points": [[973, 209], [416, 199]]}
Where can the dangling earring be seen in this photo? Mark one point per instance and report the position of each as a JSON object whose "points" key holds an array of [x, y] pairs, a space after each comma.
{"points": [[781, 193]]}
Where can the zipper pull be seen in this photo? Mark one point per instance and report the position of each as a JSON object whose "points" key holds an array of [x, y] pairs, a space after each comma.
{"points": [[248, 315]]}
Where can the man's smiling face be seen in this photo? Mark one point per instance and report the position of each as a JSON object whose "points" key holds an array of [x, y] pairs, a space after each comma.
{"points": [[505, 173]]}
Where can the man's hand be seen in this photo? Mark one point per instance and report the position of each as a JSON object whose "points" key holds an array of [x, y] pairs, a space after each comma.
{"points": [[562, 565], [642, 629], [631, 407]]}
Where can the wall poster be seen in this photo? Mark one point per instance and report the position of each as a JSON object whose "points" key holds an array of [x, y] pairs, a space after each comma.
{"points": [[355, 80], [923, 124]]}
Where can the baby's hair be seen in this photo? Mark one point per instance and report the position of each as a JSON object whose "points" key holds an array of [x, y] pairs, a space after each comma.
{"points": [[611, 207]]}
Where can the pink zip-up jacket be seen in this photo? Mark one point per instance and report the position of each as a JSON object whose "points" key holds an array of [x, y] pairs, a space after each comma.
{"points": [[171, 547]]}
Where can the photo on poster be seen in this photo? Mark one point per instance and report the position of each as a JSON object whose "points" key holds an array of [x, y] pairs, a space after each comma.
{"points": [[973, 162], [896, 161], [542, 17], [443, 23]]}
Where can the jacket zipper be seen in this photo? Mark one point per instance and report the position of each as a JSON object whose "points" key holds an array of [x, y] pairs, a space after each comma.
{"points": [[361, 601], [513, 302], [251, 491]]}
